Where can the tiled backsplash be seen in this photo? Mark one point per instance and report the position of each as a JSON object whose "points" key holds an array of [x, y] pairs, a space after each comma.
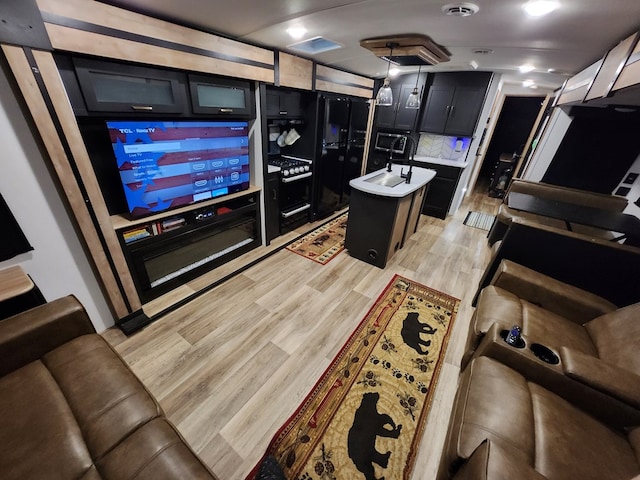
{"points": [[440, 146]]}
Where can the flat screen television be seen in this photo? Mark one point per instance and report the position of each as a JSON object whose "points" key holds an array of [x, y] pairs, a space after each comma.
{"points": [[164, 165]]}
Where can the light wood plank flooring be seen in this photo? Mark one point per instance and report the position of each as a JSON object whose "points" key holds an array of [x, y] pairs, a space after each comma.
{"points": [[232, 365]]}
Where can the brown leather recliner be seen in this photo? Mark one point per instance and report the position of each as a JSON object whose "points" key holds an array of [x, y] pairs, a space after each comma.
{"points": [[596, 364], [71, 408], [504, 426]]}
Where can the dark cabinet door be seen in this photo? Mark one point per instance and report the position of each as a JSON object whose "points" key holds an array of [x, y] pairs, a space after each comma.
{"points": [[397, 115], [218, 96], [439, 196], [386, 116], [272, 206], [464, 111], [454, 103], [284, 104], [437, 109], [405, 117], [113, 87]]}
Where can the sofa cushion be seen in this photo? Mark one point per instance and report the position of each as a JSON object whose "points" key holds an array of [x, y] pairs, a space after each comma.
{"points": [[534, 426], [479, 415], [570, 444], [153, 452], [105, 397], [616, 335], [39, 433]]}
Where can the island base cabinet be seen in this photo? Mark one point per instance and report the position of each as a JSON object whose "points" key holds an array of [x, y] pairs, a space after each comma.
{"points": [[376, 226]]}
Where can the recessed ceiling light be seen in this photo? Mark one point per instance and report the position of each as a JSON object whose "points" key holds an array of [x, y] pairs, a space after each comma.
{"points": [[526, 68], [393, 72], [296, 32], [528, 83], [537, 8]]}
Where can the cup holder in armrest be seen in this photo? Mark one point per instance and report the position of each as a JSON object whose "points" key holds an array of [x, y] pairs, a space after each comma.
{"points": [[519, 344], [544, 353]]}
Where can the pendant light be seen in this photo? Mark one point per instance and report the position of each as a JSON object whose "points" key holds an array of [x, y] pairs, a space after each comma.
{"points": [[413, 102], [385, 95]]}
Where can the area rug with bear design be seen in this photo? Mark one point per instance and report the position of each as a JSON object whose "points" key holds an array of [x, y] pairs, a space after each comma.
{"points": [[364, 418], [323, 243]]}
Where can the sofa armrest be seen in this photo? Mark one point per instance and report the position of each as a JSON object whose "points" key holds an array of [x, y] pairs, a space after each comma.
{"points": [[558, 297], [599, 375], [29, 335], [491, 462]]}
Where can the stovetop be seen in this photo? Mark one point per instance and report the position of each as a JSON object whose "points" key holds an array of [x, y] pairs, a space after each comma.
{"points": [[289, 166]]}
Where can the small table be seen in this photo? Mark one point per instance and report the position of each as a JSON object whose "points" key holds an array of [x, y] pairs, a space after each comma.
{"points": [[17, 292], [627, 225]]}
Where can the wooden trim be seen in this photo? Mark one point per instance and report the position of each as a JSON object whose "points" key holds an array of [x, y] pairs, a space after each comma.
{"points": [[55, 87], [45, 125], [532, 134], [612, 66], [127, 21], [630, 74], [329, 79], [69, 39], [576, 88], [295, 72]]}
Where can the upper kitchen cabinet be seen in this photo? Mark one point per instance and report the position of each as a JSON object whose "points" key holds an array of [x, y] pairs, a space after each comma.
{"points": [[221, 96], [284, 103], [116, 87], [454, 103], [398, 116]]}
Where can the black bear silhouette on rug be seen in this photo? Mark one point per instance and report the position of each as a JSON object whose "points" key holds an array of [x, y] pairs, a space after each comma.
{"points": [[411, 330], [367, 425]]}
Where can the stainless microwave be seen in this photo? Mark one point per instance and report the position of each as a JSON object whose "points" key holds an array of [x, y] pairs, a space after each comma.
{"points": [[391, 142]]}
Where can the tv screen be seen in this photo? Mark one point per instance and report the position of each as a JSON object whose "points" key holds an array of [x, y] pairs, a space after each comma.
{"points": [[164, 165]]}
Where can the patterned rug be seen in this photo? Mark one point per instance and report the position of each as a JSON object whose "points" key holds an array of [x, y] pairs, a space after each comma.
{"points": [[365, 416], [324, 243], [479, 220]]}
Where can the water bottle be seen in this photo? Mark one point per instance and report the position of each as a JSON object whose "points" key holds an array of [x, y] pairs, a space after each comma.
{"points": [[513, 337]]}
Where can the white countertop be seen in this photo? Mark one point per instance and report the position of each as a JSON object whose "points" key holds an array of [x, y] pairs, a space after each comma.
{"points": [[461, 163], [419, 177]]}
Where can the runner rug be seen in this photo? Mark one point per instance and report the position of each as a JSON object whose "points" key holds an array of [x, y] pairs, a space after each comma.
{"points": [[365, 416], [479, 220], [323, 243]]}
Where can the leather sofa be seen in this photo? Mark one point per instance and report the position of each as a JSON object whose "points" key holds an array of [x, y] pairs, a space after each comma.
{"points": [[71, 408], [504, 426], [575, 343], [506, 215]]}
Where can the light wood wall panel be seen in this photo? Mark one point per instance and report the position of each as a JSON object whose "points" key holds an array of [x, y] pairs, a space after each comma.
{"points": [[67, 119], [336, 81], [630, 74], [65, 20], [295, 72], [64, 38], [35, 102]]}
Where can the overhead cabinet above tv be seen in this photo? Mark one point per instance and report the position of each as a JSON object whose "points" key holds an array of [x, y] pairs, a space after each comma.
{"points": [[97, 87], [112, 87]]}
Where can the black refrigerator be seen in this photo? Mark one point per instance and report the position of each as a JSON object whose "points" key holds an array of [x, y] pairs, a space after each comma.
{"points": [[338, 159]]}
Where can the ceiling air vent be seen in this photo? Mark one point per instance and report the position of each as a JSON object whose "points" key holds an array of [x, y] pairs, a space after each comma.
{"points": [[460, 9]]}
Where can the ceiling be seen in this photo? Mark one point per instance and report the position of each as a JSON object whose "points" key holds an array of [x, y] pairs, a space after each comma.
{"points": [[572, 37]]}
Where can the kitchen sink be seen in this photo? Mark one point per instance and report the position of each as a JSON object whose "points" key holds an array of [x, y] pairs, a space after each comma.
{"points": [[386, 179]]}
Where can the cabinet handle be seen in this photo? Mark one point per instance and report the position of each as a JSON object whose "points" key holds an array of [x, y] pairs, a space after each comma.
{"points": [[226, 110], [142, 108], [448, 108], [274, 194], [451, 111], [283, 112]]}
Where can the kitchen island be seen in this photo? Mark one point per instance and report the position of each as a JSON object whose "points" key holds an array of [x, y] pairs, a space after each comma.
{"points": [[384, 212]]}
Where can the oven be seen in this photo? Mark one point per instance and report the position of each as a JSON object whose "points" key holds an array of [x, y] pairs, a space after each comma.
{"points": [[294, 191]]}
